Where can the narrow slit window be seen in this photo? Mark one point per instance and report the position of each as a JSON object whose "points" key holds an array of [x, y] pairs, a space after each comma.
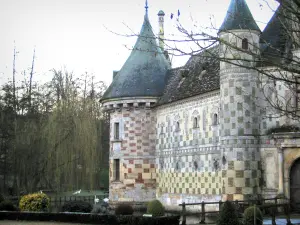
{"points": [[195, 123], [245, 44], [116, 169], [297, 93], [215, 119], [177, 126], [116, 131]]}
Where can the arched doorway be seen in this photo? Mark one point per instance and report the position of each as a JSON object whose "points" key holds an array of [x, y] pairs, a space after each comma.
{"points": [[295, 185]]}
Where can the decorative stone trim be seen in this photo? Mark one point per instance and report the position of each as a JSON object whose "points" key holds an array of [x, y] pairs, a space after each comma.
{"points": [[216, 149], [128, 103]]}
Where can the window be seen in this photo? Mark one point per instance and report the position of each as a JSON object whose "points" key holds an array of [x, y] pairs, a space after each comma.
{"points": [[177, 126], [204, 120], [215, 119], [116, 169], [297, 93], [195, 122], [196, 165], [116, 131], [245, 44]]}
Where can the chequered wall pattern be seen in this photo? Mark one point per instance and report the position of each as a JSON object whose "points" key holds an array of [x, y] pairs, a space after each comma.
{"points": [[242, 173], [136, 151], [240, 119], [188, 155], [189, 174], [169, 136]]}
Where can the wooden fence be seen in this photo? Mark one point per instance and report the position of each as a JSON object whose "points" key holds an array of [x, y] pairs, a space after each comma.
{"points": [[272, 205]]}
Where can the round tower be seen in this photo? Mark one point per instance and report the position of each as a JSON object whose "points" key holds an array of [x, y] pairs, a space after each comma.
{"points": [[239, 44], [129, 99]]}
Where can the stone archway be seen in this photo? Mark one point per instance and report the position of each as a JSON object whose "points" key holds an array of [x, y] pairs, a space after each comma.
{"points": [[295, 185]]}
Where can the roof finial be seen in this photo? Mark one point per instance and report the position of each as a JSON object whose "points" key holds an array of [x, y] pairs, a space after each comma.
{"points": [[146, 6]]}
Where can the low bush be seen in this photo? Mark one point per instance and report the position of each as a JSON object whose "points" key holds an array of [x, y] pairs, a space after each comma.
{"points": [[38, 202], [101, 208], [156, 208], [7, 206], [124, 209], [77, 206], [228, 215], [249, 216]]}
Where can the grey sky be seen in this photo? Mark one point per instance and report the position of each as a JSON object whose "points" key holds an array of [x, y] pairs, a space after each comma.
{"points": [[72, 33]]}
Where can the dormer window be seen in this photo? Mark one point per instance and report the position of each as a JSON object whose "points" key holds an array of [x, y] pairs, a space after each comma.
{"points": [[245, 44]]}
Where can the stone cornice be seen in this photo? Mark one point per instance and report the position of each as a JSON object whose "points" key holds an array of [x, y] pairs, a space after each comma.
{"points": [[200, 150], [236, 70], [114, 104]]}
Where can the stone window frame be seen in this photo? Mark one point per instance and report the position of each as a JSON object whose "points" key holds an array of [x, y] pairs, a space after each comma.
{"points": [[215, 119], [116, 169], [116, 130], [195, 116], [177, 126], [204, 119], [161, 128], [177, 123], [195, 122], [245, 44], [297, 95]]}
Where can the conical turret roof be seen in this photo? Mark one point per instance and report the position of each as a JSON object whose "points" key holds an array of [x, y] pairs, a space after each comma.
{"points": [[238, 17], [143, 74]]}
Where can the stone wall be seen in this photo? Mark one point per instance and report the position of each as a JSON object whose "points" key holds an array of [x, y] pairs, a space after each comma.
{"points": [[187, 150], [136, 151]]}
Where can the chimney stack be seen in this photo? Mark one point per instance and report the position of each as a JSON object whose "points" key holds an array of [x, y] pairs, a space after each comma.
{"points": [[161, 34]]}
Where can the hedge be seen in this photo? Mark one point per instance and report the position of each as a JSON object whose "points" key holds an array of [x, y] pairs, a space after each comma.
{"points": [[89, 218]]}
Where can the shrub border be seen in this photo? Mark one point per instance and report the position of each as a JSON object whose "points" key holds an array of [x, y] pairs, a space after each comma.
{"points": [[88, 218]]}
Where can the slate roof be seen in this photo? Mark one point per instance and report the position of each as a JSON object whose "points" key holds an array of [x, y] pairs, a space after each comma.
{"points": [[199, 75], [274, 43], [238, 17], [147, 72], [143, 74]]}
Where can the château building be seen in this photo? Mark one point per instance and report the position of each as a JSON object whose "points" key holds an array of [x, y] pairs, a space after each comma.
{"points": [[198, 132]]}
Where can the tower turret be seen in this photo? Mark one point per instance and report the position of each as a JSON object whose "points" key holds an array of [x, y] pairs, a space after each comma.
{"points": [[129, 100], [239, 91]]}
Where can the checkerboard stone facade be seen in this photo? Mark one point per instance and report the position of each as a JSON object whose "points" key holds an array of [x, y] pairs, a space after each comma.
{"points": [[136, 151], [188, 156], [240, 118]]}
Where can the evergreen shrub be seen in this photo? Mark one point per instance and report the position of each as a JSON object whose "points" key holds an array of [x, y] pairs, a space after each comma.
{"points": [[77, 206], [124, 209], [7, 205], [249, 216], [228, 215], [38, 202], [156, 208]]}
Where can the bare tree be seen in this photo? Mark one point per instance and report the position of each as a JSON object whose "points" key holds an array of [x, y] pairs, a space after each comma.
{"points": [[275, 57]]}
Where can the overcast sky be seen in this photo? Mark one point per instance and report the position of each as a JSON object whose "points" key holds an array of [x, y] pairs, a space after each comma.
{"points": [[75, 33]]}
